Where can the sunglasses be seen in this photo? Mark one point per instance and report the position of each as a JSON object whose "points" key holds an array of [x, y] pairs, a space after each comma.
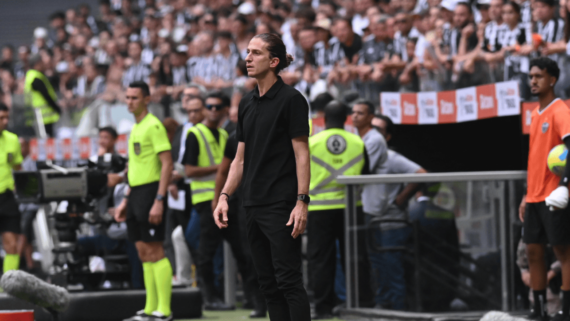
{"points": [[217, 107]]}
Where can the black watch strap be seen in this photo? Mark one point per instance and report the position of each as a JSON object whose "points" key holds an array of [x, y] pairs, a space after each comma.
{"points": [[304, 197]]}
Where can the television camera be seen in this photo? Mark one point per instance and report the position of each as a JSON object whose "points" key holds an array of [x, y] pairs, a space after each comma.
{"points": [[85, 191]]}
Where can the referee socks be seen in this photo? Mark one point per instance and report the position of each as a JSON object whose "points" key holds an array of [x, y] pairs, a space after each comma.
{"points": [[11, 262], [163, 279], [150, 286]]}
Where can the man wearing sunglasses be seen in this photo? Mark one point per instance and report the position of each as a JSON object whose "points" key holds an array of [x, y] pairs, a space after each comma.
{"points": [[205, 147]]}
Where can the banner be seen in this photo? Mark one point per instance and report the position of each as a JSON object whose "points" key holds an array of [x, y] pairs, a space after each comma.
{"points": [[454, 106], [71, 148]]}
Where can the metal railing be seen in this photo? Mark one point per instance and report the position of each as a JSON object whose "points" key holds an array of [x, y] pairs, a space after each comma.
{"points": [[504, 192]]}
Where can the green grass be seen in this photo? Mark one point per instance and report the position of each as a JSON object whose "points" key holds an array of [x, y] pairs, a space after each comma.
{"points": [[232, 316]]}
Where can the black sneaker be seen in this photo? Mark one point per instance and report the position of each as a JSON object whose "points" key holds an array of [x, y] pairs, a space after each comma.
{"points": [[157, 316], [561, 317], [537, 316]]}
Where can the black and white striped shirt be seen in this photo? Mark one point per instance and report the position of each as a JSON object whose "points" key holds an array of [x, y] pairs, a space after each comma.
{"points": [[551, 32], [514, 64], [401, 40], [226, 66], [137, 72], [179, 76], [493, 35], [202, 67], [526, 13], [456, 38], [326, 58]]}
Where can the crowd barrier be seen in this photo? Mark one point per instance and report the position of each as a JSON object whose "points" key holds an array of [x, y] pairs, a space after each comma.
{"points": [[423, 108]]}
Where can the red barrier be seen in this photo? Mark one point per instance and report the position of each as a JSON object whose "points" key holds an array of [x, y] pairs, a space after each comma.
{"points": [[16, 315]]}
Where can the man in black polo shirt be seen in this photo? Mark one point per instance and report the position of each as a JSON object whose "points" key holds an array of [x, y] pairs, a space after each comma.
{"points": [[272, 160]]}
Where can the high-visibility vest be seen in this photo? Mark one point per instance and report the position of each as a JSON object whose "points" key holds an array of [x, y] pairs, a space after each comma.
{"points": [[211, 153], [33, 98], [334, 152]]}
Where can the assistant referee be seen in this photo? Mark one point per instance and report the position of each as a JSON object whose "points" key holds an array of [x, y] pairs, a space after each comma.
{"points": [[272, 161], [150, 167], [10, 159]]}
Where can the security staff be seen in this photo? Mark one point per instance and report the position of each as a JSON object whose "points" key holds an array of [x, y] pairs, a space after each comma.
{"points": [[10, 158], [205, 147], [39, 94], [149, 170], [334, 152]]}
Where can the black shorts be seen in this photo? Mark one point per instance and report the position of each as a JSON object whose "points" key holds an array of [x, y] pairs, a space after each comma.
{"points": [[9, 213], [541, 226], [140, 203]]}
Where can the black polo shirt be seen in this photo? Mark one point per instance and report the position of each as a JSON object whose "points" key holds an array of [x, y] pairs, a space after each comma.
{"points": [[267, 125]]}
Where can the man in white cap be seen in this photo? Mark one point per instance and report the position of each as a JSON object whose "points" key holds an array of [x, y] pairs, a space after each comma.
{"points": [[40, 37]]}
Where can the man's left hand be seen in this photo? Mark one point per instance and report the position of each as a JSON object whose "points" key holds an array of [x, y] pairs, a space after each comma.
{"points": [[155, 216], [558, 199], [298, 218]]}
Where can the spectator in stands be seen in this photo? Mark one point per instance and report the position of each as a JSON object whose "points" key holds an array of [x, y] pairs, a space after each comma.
{"points": [[28, 211], [202, 68], [137, 71], [372, 59]]}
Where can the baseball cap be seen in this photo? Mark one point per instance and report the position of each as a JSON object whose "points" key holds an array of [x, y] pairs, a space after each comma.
{"points": [[448, 4], [40, 32], [324, 24], [483, 2], [246, 8]]}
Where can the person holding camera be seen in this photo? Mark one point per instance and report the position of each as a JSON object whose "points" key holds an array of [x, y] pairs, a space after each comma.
{"points": [[10, 159], [149, 171]]}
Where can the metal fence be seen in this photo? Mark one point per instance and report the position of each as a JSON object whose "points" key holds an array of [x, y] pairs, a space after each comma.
{"points": [[488, 200]]}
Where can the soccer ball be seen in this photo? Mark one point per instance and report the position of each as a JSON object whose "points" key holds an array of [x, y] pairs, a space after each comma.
{"points": [[557, 159]]}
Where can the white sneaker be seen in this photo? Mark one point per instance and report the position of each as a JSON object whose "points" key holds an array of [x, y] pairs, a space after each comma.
{"points": [[157, 316], [140, 316]]}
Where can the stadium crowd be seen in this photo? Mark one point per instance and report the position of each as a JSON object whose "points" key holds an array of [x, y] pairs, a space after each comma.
{"points": [[354, 45], [193, 53]]}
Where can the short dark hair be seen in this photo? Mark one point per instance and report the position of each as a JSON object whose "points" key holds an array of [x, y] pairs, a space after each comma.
{"points": [[389, 123], [221, 96], [546, 63], [321, 101], [242, 66], [143, 86], [340, 19], [516, 7], [57, 15], [335, 112], [3, 107], [110, 130], [306, 12], [550, 3], [468, 6], [368, 104], [276, 49]]}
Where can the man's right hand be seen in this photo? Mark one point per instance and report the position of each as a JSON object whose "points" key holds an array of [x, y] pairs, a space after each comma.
{"points": [[121, 212], [173, 190], [522, 209], [221, 212]]}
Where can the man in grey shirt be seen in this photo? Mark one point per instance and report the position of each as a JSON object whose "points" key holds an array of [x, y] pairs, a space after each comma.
{"points": [[390, 201]]}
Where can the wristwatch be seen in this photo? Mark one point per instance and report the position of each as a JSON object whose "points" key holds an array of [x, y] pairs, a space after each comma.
{"points": [[304, 197], [159, 197]]}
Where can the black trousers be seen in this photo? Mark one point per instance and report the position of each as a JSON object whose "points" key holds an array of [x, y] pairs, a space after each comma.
{"points": [[324, 229], [210, 238], [277, 259]]}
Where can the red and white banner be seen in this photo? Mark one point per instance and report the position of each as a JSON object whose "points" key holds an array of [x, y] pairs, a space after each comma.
{"points": [[71, 148], [455, 106]]}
